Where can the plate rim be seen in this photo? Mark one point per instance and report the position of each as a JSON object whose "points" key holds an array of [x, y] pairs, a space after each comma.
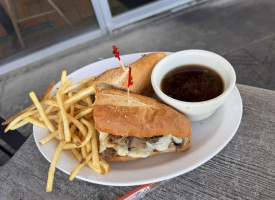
{"points": [[161, 178]]}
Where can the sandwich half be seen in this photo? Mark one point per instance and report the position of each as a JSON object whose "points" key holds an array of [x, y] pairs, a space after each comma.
{"points": [[138, 126], [141, 73]]}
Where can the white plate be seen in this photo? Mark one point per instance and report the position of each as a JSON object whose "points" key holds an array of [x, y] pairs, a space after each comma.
{"points": [[209, 137]]}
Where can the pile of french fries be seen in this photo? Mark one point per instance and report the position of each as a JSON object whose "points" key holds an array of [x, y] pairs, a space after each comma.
{"points": [[67, 115]]}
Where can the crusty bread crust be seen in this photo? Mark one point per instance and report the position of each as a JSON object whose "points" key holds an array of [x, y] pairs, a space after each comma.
{"points": [[126, 158], [141, 73], [138, 116]]}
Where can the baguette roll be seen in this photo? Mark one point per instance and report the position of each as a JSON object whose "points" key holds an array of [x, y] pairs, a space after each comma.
{"points": [[136, 122], [141, 73]]}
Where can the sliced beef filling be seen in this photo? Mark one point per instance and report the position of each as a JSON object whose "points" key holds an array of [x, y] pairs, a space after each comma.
{"points": [[108, 153], [134, 142]]}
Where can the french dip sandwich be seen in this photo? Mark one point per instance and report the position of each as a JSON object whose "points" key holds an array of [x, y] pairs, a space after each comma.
{"points": [[141, 73], [138, 126]]}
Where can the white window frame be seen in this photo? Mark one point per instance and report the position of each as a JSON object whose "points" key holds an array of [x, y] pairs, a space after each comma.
{"points": [[106, 22], [112, 23]]}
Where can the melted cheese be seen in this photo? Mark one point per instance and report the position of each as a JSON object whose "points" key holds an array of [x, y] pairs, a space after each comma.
{"points": [[141, 152], [122, 150], [177, 140], [102, 141], [163, 143]]}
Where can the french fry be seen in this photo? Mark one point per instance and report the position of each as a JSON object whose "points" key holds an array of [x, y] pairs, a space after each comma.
{"points": [[36, 122], [76, 139], [79, 106], [88, 100], [84, 152], [51, 109], [91, 131], [53, 165], [63, 114], [68, 82], [96, 169], [19, 124], [80, 95], [32, 107], [70, 94], [77, 85], [53, 117], [49, 103], [87, 139], [41, 112], [105, 166], [77, 155], [79, 167], [67, 115], [78, 124], [95, 150], [84, 112], [19, 118], [63, 78], [48, 138], [42, 97], [61, 130]]}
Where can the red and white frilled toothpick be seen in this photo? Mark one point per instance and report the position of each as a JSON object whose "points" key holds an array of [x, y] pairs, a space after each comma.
{"points": [[130, 78], [116, 53], [130, 81]]}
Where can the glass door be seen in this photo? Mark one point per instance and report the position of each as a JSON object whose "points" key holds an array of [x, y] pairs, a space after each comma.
{"points": [[118, 13], [31, 30], [29, 25]]}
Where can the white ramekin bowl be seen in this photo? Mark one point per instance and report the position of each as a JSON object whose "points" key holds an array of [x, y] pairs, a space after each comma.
{"points": [[195, 111]]}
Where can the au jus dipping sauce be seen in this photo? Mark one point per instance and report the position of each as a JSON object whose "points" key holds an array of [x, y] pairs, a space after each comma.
{"points": [[192, 83]]}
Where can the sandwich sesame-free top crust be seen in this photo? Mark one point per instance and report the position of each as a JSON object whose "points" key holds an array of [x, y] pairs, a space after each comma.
{"points": [[139, 116]]}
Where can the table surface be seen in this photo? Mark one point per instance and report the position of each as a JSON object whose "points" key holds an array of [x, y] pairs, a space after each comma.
{"points": [[244, 169]]}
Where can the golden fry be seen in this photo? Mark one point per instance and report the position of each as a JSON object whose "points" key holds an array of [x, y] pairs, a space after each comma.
{"points": [[79, 167], [77, 155], [84, 112], [43, 96], [105, 166], [78, 124], [70, 109], [49, 103], [63, 114], [41, 112], [61, 130], [95, 150], [18, 114], [51, 109], [35, 122], [84, 152], [80, 95], [98, 170], [52, 167], [77, 85], [19, 118], [48, 138], [63, 78], [79, 106], [76, 139], [70, 94], [19, 124], [88, 100]]}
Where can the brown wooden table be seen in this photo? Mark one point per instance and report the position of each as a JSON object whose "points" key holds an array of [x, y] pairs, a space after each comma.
{"points": [[244, 169]]}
